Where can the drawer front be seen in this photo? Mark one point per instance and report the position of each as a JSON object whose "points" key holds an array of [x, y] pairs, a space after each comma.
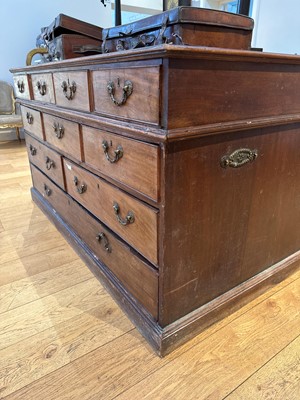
{"points": [[21, 84], [128, 161], [45, 159], [42, 87], [63, 134], [32, 121], [130, 93], [71, 90], [135, 222], [136, 276]]}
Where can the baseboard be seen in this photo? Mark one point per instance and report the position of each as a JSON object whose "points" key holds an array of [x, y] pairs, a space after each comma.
{"points": [[164, 340]]}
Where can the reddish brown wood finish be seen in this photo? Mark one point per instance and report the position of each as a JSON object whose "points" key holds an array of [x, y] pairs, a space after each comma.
{"points": [[47, 160], [80, 99], [214, 91], [144, 102], [216, 235], [69, 140], [132, 168], [22, 86], [225, 225], [99, 198], [32, 122], [192, 26], [136, 275], [42, 87]]}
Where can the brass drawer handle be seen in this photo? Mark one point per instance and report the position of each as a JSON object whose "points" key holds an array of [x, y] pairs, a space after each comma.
{"points": [[32, 150], [118, 152], [47, 190], [238, 158], [126, 92], [69, 90], [59, 130], [101, 237], [29, 118], [49, 163], [42, 87], [21, 86], [80, 188], [129, 219]]}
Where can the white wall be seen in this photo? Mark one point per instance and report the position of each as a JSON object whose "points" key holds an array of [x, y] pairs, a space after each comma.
{"points": [[277, 26], [21, 21]]}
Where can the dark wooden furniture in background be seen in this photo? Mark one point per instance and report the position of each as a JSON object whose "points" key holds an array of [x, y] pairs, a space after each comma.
{"points": [[191, 26], [174, 172]]}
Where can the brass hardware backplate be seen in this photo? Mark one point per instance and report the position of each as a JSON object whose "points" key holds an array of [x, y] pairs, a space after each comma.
{"points": [[238, 158], [101, 237], [118, 152], [126, 92], [129, 219]]}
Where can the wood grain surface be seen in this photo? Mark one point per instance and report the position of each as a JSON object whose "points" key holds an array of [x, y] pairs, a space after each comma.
{"points": [[138, 167], [24, 80], [99, 198], [49, 161], [43, 79], [80, 100], [69, 142], [35, 127], [76, 343], [144, 102], [137, 276]]}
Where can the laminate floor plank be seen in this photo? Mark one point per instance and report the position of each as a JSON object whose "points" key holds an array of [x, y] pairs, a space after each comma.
{"points": [[128, 368], [230, 356], [30, 319], [22, 216], [36, 287], [72, 342], [23, 244], [37, 262], [50, 350], [277, 380]]}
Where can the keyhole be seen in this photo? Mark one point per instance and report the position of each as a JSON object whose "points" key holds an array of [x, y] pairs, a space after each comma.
{"points": [[118, 81]]}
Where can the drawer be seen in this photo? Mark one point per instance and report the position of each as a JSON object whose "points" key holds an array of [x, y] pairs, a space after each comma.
{"points": [[71, 90], [134, 221], [42, 87], [128, 161], [32, 121], [22, 87], [63, 134], [135, 275], [45, 159], [130, 93]]}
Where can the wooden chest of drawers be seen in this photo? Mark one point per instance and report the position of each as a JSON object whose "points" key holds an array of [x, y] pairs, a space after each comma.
{"points": [[174, 172]]}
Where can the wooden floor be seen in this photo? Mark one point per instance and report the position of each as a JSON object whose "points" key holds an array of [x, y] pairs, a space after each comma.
{"points": [[63, 337]]}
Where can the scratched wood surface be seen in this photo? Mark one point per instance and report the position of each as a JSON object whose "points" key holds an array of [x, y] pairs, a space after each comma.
{"points": [[63, 337]]}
